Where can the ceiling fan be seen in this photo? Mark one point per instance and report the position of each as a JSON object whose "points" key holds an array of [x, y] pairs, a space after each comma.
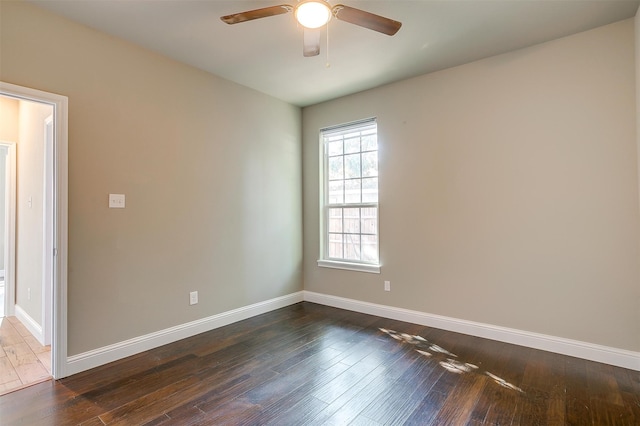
{"points": [[313, 15]]}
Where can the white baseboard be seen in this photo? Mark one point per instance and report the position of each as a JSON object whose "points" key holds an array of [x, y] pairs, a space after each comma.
{"points": [[106, 354], [593, 352], [32, 325]]}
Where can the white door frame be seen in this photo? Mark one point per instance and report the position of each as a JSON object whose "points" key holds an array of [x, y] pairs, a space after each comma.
{"points": [[58, 251], [10, 228], [48, 228]]}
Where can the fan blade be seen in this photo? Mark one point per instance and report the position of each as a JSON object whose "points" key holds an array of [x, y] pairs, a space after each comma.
{"points": [[311, 42], [365, 19], [250, 15]]}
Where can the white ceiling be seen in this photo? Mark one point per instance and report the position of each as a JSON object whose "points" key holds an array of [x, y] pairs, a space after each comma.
{"points": [[266, 54]]}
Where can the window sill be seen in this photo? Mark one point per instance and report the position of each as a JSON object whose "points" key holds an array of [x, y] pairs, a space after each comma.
{"points": [[359, 267]]}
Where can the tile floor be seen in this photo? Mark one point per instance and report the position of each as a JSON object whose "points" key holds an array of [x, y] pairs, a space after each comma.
{"points": [[23, 360]]}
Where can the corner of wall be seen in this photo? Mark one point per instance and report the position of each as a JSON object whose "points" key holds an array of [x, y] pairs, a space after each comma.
{"points": [[637, 53], [637, 57]]}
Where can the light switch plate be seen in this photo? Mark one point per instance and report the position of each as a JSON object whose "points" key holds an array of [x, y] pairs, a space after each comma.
{"points": [[116, 201]]}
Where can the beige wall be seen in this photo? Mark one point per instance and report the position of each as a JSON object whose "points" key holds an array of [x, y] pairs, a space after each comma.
{"points": [[29, 215], [508, 191], [211, 172], [8, 119]]}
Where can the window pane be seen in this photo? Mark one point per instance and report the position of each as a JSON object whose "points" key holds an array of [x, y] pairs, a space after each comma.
{"points": [[370, 190], [370, 220], [336, 192], [352, 145], [335, 148], [352, 191], [335, 246], [352, 166], [352, 221], [335, 220], [370, 248], [352, 247], [370, 164], [370, 141], [336, 168]]}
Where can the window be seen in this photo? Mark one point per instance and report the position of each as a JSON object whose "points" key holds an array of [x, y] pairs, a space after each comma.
{"points": [[350, 197]]}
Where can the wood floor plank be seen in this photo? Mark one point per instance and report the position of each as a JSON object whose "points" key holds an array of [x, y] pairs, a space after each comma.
{"points": [[606, 398], [302, 412], [354, 391], [534, 408], [460, 402], [299, 406], [343, 389], [147, 406], [349, 406], [405, 394], [497, 404], [137, 386], [329, 392], [95, 421], [214, 394], [603, 384], [577, 399], [629, 385], [46, 403], [314, 365], [426, 412]]}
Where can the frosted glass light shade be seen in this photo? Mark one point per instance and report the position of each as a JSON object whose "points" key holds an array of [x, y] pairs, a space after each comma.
{"points": [[313, 14]]}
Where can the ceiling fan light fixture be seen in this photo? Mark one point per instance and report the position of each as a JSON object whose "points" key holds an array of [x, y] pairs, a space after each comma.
{"points": [[313, 13]]}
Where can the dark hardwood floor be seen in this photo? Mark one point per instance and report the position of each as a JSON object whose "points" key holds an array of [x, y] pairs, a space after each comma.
{"points": [[309, 364]]}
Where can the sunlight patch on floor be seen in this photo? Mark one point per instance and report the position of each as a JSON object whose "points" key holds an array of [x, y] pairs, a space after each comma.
{"points": [[447, 360]]}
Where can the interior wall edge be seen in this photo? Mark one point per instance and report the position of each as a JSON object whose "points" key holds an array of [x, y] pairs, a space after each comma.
{"points": [[637, 63], [589, 351]]}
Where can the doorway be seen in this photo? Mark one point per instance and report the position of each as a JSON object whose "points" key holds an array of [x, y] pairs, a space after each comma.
{"points": [[36, 259], [24, 330], [4, 193], [7, 221]]}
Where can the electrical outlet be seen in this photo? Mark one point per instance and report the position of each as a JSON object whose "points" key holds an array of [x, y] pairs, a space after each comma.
{"points": [[193, 297], [387, 286]]}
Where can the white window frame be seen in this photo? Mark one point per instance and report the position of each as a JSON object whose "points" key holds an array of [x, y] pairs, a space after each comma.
{"points": [[325, 260]]}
